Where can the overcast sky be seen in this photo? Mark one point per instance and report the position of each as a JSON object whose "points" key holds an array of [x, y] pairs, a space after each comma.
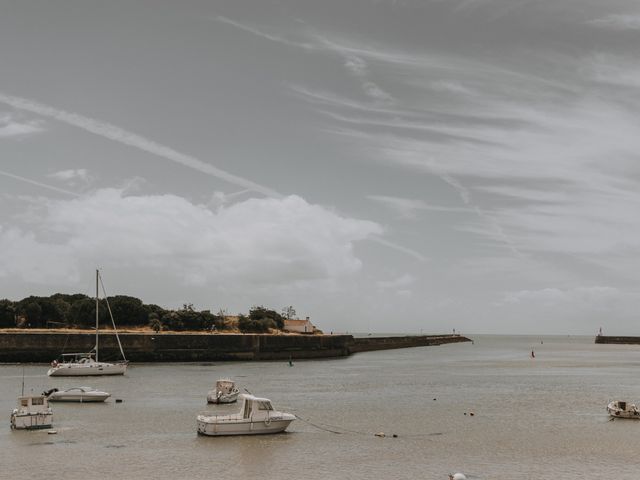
{"points": [[381, 165]]}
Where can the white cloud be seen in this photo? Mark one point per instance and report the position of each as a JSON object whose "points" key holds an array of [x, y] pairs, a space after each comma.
{"points": [[73, 176], [397, 283], [274, 241], [377, 93], [618, 22], [262, 34], [584, 297], [450, 86], [11, 127], [537, 143], [355, 65], [28, 258]]}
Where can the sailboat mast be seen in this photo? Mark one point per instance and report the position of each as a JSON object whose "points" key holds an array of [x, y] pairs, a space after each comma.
{"points": [[97, 277]]}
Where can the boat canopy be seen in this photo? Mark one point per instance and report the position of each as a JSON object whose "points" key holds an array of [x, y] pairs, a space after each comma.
{"points": [[250, 398]]}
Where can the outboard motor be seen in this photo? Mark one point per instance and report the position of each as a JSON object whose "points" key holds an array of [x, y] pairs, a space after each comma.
{"points": [[46, 393]]}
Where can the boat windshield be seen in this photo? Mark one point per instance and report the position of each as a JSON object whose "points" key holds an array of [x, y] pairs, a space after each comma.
{"points": [[76, 357], [264, 406]]}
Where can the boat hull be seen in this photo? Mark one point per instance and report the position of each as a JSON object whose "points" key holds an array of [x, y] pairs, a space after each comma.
{"points": [[219, 429], [629, 411], [31, 421], [90, 370], [78, 398]]}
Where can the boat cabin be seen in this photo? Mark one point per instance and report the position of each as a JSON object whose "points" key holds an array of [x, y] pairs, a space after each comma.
{"points": [[33, 404], [255, 405], [225, 386]]}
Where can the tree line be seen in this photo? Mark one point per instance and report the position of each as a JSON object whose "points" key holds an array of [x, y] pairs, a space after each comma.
{"points": [[79, 311]]}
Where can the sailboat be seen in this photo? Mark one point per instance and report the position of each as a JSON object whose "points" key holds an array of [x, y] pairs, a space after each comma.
{"points": [[85, 364]]}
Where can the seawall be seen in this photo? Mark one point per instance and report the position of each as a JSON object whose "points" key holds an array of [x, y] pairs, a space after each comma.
{"points": [[618, 340], [190, 347], [369, 344]]}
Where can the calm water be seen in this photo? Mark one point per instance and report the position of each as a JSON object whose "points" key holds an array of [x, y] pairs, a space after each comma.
{"points": [[541, 418]]}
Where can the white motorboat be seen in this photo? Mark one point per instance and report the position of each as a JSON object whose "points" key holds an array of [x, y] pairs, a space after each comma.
{"points": [[85, 364], [620, 409], [256, 416], [224, 392], [33, 413], [76, 394]]}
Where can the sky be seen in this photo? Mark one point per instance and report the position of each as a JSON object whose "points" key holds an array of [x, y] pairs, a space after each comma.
{"points": [[380, 165]]}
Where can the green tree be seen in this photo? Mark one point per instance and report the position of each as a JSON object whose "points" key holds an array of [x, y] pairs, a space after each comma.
{"points": [[262, 313], [255, 325], [154, 322], [128, 310], [289, 312], [172, 321], [33, 311], [7, 314], [83, 313], [155, 309], [52, 310]]}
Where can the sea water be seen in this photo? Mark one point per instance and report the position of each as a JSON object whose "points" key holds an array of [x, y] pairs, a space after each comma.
{"points": [[486, 409]]}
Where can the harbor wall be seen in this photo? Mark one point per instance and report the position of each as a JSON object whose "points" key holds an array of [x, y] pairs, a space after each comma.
{"points": [[189, 347], [369, 344], [618, 340]]}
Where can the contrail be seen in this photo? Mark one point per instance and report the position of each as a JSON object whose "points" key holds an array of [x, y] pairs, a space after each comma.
{"points": [[117, 134], [399, 248], [39, 184]]}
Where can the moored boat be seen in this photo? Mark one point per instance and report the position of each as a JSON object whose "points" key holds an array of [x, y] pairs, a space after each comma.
{"points": [[88, 364], [84, 365], [620, 409], [76, 394], [33, 413], [224, 392], [256, 416]]}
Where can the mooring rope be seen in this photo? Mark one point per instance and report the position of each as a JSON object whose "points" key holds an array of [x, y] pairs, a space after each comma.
{"points": [[316, 425], [341, 430]]}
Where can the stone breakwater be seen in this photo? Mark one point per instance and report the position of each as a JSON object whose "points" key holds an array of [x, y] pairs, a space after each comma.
{"points": [[190, 347], [618, 340]]}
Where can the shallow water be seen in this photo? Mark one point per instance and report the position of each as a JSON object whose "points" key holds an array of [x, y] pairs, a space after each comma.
{"points": [[541, 418]]}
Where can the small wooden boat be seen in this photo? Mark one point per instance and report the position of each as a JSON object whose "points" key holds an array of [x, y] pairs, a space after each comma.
{"points": [[620, 409], [256, 416], [76, 394], [33, 413], [224, 392]]}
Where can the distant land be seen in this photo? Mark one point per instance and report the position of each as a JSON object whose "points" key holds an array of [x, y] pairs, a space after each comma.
{"points": [[62, 310]]}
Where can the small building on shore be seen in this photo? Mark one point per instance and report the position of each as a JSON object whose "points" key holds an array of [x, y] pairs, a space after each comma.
{"points": [[299, 326]]}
